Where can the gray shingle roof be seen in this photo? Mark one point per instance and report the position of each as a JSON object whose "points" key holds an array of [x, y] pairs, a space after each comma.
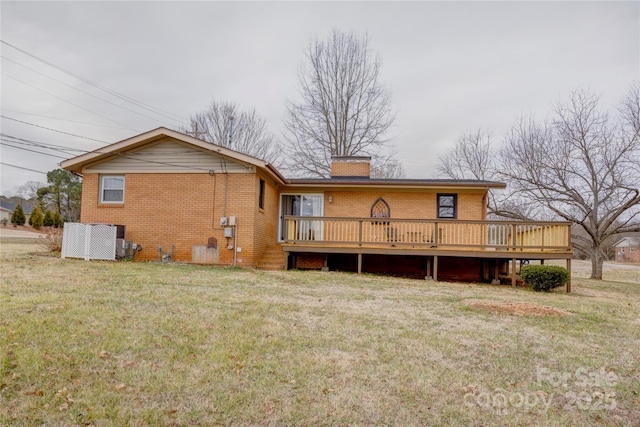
{"points": [[12, 206]]}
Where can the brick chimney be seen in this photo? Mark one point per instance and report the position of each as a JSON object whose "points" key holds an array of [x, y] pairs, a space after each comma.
{"points": [[351, 166]]}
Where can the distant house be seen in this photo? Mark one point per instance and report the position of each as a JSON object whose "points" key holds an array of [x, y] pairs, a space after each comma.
{"points": [[628, 250], [7, 208], [208, 204], [5, 214]]}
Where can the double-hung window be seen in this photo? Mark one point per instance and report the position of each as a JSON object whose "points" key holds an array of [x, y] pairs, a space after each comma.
{"points": [[448, 206], [112, 189]]}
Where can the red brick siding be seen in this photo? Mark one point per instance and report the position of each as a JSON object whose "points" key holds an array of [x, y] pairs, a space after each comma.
{"points": [[180, 209], [310, 261], [185, 209], [351, 168], [266, 220], [402, 204], [628, 255]]}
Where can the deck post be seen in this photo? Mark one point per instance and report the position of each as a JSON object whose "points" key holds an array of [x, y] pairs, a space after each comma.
{"points": [[436, 234], [568, 287], [435, 268], [286, 261], [513, 272], [360, 262], [360, 233]]}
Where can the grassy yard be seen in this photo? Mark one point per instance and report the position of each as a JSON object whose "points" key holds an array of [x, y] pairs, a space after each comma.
{"points": [[121, 343]]}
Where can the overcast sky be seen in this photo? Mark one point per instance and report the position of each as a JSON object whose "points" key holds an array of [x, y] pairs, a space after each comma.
{"points": [[452, 67]]}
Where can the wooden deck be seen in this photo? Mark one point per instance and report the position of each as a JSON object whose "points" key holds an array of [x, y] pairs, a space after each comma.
{"points": [[506, 240]]}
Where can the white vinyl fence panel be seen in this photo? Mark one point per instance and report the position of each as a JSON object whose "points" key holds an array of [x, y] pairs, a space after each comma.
{"points": [[89, 241]]}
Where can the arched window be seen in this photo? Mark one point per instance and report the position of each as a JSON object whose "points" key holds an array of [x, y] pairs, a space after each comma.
{"points": [[380, 209]]}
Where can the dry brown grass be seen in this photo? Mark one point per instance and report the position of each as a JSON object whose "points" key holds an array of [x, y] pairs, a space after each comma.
{"points": [[121, 343], [516, 308]]}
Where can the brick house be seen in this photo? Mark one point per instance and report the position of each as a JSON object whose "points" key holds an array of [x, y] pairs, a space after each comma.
{"points": [[173, 190], [628, 250]]}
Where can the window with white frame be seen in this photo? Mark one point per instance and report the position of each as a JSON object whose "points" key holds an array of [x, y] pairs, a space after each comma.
{"points": [[112, 189]]}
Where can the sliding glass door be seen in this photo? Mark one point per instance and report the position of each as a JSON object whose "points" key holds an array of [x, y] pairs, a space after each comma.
{"points": [[302, 205]]}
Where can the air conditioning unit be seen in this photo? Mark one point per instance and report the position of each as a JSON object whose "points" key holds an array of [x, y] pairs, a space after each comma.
{"points": [[124, 248]]}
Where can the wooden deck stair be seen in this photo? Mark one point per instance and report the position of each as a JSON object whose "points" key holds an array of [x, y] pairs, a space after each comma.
{"points": [[272, 259]]}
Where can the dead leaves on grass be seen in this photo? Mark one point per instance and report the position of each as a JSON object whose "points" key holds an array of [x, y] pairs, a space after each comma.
{"points": [[64, 393], [34, 392], [130, 364], [471, 388]]}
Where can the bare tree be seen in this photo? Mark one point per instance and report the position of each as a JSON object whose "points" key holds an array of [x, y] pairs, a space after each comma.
{"points": [[581, 166], [226, 124], [29, 190], [344, 109], [470, 158], [386, 165], [473, 157]]}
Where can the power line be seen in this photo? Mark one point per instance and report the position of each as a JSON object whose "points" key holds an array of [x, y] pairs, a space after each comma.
{"points": [[6, 144], [85, 92], [111, 92], [122, 154], [51, 129], [68, 102], [60, 118], [21, 167], [65, 150], [45, 145]]}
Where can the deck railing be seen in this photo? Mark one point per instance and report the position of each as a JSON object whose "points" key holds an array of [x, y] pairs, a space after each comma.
{"points": [[425, 234]]}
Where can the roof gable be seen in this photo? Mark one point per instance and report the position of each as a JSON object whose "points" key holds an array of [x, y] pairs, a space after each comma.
{"points": [[627, 242], [124, 153], [167, 155]]}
